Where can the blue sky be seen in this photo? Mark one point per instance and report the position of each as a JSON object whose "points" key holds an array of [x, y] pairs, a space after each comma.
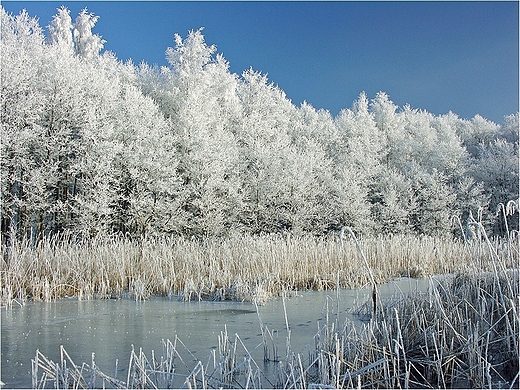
{"points": [[437, 56]]}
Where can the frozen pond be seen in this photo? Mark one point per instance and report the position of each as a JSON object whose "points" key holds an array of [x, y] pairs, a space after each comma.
{"points": [[109, 328]]}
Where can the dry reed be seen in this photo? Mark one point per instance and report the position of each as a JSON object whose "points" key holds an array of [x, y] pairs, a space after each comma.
{"points": [[462, 333], [244, 268]]}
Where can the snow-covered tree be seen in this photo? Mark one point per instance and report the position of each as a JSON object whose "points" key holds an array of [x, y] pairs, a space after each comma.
{"points": [[60, 30], [83, 149], [22, 101], [477, 131], [198, 95], [129, 170], [497, 169], [433, 201], [392, 201], [98, 147], [360, 147], [264, 141], [88, 45], [388, 123], [320, 142], [510, 129], [287, 177], [428, 154]]}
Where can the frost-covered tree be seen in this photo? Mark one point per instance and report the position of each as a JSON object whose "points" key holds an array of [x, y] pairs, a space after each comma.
{"points": [[477, 131], [454, 161], [448, 153], [497, 168], [75, 37], [492, 163], [357, 160], [432, 203], [97, 147], [320, 136], [428, 154], [361, 139], [509, 130], [392, 200], [88, 45], [64, 91], [198, 95], [22, 101], [132, 169], [84, 150], [264, 147], [388, 123], [60, 30], [287, 177], [319, 126]]}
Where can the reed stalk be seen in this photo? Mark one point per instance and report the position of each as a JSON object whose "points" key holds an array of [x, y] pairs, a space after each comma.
{"points": [[243, 268]]}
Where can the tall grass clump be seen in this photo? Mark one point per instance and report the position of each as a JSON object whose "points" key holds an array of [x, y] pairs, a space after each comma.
{"points": [[228, 366], [245, 268], [463, 333]]}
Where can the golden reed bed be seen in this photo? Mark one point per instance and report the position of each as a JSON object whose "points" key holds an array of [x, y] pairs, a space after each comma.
{"points": [[240, 268]]}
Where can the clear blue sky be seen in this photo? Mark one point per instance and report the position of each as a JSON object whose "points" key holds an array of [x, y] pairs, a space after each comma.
{"points": [[438, 56]]}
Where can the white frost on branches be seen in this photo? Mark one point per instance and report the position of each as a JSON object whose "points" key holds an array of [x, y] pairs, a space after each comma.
{"points": [[88, 45], [60, 30], [75, 38], [96, 147]]}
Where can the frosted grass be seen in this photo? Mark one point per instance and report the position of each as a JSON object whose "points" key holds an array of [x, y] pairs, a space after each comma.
{"points": [[244, 268], [461, 333]]}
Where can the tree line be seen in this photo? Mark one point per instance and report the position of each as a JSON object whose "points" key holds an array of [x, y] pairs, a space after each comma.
{"points": [[92, 146]]}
